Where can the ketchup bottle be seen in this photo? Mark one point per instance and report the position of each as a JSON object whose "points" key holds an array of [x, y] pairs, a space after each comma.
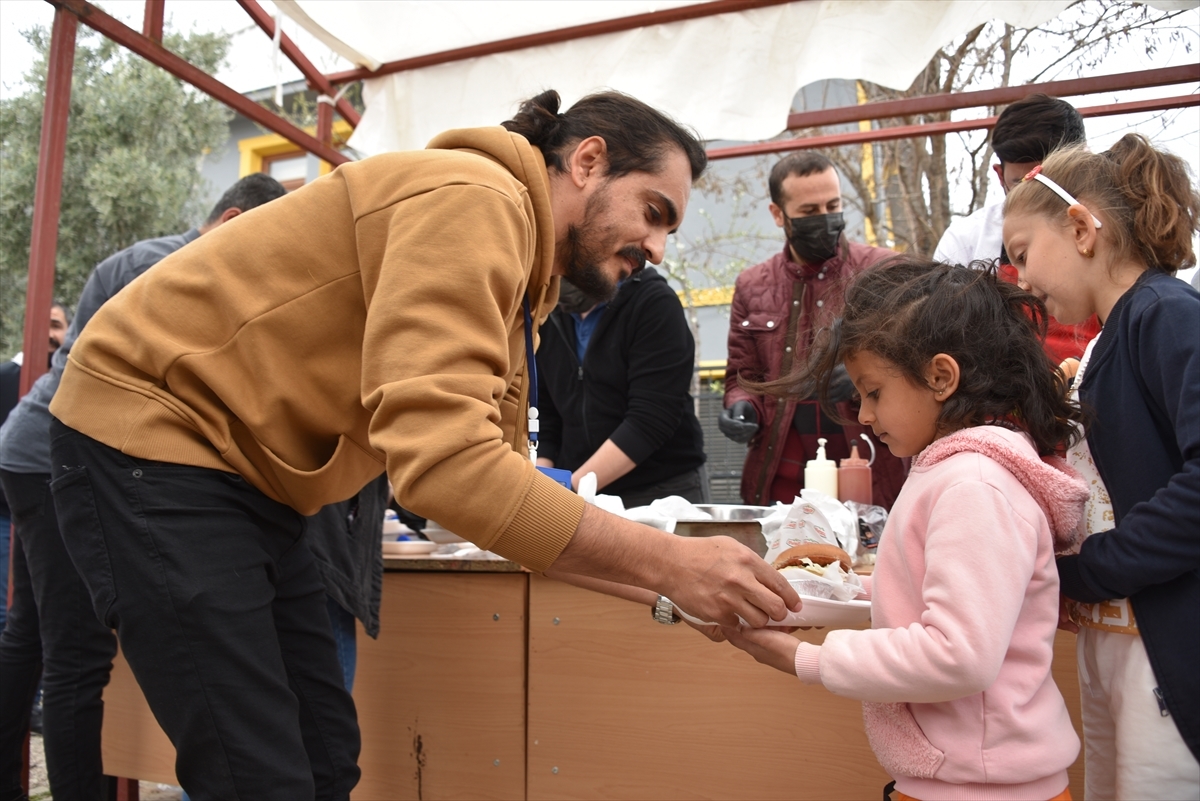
{"points": [[854, 477]]}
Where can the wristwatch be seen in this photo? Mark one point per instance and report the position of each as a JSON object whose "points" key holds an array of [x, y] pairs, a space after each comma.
{"points": [[663, 611]]}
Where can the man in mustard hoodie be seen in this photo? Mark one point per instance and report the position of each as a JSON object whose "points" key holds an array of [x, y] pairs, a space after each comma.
{"points": [[378, 318]]}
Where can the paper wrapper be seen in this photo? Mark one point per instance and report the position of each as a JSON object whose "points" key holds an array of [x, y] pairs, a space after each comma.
{"points": [[835, 584], [813, 517]]}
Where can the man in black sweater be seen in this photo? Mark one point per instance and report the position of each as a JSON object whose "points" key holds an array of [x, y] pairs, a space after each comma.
{"points": [[613, 393]]}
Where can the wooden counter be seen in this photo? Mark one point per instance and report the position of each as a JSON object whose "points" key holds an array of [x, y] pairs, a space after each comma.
{"points": [[506, 685]]}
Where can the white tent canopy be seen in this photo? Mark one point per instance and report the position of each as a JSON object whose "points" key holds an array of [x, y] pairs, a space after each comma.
{"points": [[731, 76]]}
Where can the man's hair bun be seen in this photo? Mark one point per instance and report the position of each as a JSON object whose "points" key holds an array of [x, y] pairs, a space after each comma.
{"points": [[637, 136]]}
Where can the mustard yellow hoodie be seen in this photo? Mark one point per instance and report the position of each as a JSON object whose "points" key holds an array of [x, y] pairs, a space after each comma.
{"points": [[370, 318]]}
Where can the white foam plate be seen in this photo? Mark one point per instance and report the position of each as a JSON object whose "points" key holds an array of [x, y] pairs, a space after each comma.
{"points": [[816, 612], [409, 548]]}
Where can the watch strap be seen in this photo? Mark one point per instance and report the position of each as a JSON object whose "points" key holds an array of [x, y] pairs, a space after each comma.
{"points": [[663, 611]]}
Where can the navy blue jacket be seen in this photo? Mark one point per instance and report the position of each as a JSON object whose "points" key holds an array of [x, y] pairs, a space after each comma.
{"points": [[632, 388], [1143, 388]]}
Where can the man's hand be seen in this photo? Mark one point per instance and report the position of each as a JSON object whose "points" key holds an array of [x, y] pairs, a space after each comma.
{"points": [[712, 578], [719, 579], [771, 647], [739, 422]]}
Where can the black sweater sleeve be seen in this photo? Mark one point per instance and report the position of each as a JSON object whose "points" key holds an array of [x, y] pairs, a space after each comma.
{"points": [[659, 373]]}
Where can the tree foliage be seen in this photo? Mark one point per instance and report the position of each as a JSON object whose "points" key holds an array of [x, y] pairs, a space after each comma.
{"points": [[135, 138]]}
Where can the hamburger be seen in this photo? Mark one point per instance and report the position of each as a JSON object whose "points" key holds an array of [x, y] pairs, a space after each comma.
{"points": [[810, 555]]}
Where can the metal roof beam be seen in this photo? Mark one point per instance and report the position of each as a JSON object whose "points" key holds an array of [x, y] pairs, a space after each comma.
{"points": [[573, 32], [314, 76], [152, 20], [156, 54], [928, 104], [934, 129]]}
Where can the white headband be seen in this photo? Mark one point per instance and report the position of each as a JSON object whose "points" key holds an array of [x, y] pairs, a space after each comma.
{"points": [[1036, 175]]}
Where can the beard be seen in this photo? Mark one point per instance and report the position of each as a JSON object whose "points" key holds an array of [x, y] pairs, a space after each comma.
{"points": [[588, 245]]}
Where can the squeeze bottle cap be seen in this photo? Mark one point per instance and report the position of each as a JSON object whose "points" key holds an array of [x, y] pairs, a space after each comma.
{"points": [[854, 460], [819, 459]]}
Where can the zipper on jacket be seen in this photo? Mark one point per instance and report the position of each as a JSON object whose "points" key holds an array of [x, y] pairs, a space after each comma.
{"points": [[1162, 704]]}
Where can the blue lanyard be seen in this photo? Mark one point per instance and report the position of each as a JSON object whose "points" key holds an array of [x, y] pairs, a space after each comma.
{"points": [[531, 361]]}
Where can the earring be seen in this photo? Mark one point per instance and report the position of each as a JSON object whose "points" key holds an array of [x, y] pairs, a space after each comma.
{"points": [[1089, 253]]}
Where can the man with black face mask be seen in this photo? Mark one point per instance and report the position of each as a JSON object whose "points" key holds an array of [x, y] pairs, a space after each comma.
{"points": [[777, 307]]}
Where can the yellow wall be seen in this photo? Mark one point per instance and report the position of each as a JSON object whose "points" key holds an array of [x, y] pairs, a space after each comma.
{"points": [[257, 148]]}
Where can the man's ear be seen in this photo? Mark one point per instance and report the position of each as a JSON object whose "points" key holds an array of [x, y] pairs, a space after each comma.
{"points": [[588, 161], [777, 214], [942, 376], [999, 170], [228, 215]]}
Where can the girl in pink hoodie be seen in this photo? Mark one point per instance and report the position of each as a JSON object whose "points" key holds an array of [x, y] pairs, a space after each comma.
{"points": [[954, 674]]}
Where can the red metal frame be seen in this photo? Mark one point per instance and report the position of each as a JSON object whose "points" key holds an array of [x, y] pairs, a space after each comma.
{"points": [[154, 52], [928, 104], [152, 20], [314, 76], [934, 129], [571, 33], [47, 197]]}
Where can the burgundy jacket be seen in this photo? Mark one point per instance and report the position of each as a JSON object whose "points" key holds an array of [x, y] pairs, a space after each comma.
{"points": [[759, 350]]}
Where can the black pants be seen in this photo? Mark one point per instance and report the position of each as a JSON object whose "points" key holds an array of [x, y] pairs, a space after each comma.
{"points": [[221, 614], [50, 624]]}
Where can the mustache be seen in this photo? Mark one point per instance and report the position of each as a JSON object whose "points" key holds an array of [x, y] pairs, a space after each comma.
{"points": [[635, 255]]}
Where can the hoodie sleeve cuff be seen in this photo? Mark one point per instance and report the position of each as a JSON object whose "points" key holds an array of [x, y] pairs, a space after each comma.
{"points": [[1072, 583], [808, 663]]}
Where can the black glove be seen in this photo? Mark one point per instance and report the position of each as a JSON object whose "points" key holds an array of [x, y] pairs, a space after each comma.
{"points": [[841, 388], [739, 422]]}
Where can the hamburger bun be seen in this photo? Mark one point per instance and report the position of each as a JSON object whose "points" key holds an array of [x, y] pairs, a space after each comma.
{"points": [[816, 553]]}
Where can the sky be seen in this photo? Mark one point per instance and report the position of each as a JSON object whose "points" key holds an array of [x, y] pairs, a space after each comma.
{"points": [[251, 59]]}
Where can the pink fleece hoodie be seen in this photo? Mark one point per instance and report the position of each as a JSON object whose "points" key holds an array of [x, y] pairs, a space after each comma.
{"points": [[955, 671]]}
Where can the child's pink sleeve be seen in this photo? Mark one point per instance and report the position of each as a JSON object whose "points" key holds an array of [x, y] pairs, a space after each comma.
{"points": [[808, 663]]}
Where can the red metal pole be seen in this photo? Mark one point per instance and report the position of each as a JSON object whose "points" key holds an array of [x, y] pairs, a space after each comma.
{"points": [[152, 22], [47, 198], [153, 52], [910, 106], [325, 123], [664, 17], [311, 73], [934, 129]]}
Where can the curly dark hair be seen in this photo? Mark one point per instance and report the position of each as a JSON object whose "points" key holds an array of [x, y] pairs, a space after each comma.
{"points": [[907, 310]]}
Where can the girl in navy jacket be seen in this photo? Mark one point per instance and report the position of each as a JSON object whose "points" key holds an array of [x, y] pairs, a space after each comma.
{"points": [[1104, 234]]}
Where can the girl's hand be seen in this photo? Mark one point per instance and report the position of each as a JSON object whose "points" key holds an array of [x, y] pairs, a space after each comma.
{"points": [[712, 631], [1064, 616], [770, 646]]}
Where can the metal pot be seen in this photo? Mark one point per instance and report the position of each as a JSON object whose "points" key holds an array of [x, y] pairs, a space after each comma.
{"points": [[742, 523]]}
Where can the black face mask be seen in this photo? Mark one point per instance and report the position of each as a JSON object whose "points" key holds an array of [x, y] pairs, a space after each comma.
{"points": [[572, 299], [815, 239]]}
